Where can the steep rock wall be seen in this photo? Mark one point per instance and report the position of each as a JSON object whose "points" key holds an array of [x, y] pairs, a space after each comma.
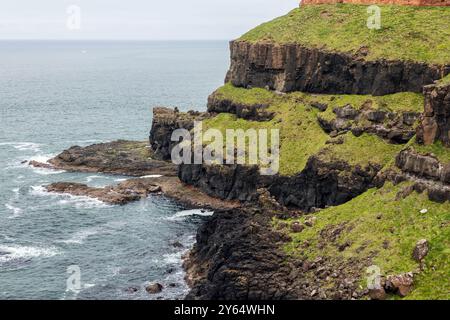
{"points": [[435, 121], [293, 67]]}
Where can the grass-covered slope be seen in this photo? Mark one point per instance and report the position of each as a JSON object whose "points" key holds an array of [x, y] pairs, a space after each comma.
{"points": [[406, 33], [378, 224], [300, 133]]}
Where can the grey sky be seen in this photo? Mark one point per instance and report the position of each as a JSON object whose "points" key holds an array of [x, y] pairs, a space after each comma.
{"points": [[137, 19]]}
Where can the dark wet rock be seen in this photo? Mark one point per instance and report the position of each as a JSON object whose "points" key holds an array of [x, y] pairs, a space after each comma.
{"points": [[132, 158], [293, 67], [177, 244], [154, 288], [420, 250]]}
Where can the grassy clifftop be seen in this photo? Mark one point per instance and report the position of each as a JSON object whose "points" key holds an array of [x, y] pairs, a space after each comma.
{"points": [[300, 133], [423, 32]]}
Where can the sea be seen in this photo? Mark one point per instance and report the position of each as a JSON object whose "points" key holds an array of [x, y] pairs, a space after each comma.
{"points": [[56, 94]]}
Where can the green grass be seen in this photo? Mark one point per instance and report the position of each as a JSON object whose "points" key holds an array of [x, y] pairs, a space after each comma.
{"points": [[407, 32], [361, 150], [300, 134], [378, 224]]}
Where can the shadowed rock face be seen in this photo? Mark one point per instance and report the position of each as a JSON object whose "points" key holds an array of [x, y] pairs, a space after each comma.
{"points": [[320, 184], [292, 67], [435, 121]]}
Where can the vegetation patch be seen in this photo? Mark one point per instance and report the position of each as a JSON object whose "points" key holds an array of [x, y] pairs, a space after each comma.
{"points": [[378, 225], [425, 31]]}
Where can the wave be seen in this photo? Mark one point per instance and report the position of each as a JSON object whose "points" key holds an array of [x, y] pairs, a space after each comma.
{"points": [[80, 236], [151, 176], [77, 201], [16, 211], [23, 146], [91, 178], [16, 252], [180, 215]]}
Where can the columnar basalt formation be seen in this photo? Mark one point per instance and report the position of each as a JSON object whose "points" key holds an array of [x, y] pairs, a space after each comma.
{"points": [[394, 2], [435, 121], [294, 67]]}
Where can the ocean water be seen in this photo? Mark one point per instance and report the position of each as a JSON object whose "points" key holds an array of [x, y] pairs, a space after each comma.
{"points": [[57, 94]]}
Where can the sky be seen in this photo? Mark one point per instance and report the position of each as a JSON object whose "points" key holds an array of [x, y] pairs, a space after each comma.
{"points": [[136, 19]]}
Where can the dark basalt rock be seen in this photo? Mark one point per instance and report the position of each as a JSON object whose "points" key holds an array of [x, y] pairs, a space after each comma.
{"points": [[435, 121], [323, 184], [320, 184], [223, 181], [293, 67]]}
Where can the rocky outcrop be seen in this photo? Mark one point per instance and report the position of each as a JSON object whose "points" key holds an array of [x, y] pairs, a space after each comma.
{"points": [[371, 2], [435, 121], [293, 67], [424, 166], [394, 127], [165, 121], [131, 158], [123, 193], [255, 112]]}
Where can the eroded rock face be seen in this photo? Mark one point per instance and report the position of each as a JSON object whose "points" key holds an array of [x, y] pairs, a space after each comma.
{"points": [[423, 166], [394, 127], [292, 67], [165, 121], [435, 121], [255, 112]]}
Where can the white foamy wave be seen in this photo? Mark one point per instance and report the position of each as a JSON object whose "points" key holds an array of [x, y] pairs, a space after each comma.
{"points": [[91, 178], [16, 252], [16, 211], [81, 201], [43, 159], [151, 176], [120, 179], [80, 236], [23, 146], [180, 215], [77, 201]]}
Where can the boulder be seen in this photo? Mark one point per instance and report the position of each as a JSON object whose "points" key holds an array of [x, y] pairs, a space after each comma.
{"points": [[420, 250], [297, 227], [154, 288], [400, 284]]}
